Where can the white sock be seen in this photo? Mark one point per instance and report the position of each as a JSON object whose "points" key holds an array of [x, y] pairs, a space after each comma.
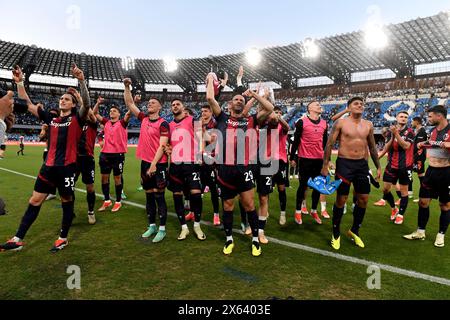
{"points": [[304, 204], [15, 239], [261, 231], [162, 228], [323, 206], [63, 239], [196, 224], [420, 231], [283, 213], [184, 227], [230, 238], [255, 239], [261, 218], [216, 214], [153, 225]]}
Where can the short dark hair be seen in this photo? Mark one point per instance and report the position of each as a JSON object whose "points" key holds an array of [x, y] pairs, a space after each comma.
{"points": [[417, 119], [403, 111], [157, 99], [173, 100], [115, 107], [277, 108], [354, 99], [206, 106], [439, 109], [189, 110]]}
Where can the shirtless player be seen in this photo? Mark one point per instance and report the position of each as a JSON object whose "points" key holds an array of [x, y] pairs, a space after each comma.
{"points": [[355, 136]]}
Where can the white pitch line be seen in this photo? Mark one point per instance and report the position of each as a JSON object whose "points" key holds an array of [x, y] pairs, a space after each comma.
{"points": [[392, 269]]}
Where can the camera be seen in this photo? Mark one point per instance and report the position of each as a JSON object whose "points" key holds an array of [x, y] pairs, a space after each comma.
{"points": [[20, 105]]}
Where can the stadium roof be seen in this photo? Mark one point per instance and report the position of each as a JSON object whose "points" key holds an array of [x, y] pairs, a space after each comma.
{"points": [[420, 41]]}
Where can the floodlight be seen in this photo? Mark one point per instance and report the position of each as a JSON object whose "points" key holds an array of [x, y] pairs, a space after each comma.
{"points": [[170, 64], [311, 49], [253, 56], [375, 37]]}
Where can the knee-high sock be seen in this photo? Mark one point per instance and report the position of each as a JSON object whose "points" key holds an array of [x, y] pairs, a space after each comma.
{"points": [[243, 214], [262, 223], [403, 205], [410, 186], [444, 221], [28, 219], [252, 217], [358, 218], [162, 208], [283, 200], [228, 223], [197, 206], [105, 190], [179, 208], [315, 200], [151, 208], [90, 197], [424, 216], [337, 218], [68, 215], [214, 198], [119, 189], [390, 199], [399, 194]]}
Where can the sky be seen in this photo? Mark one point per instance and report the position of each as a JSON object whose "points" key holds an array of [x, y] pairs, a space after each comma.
{"points": [[193, 28]]}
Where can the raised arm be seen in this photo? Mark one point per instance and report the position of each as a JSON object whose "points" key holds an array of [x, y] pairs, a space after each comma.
{"points": [[127, 117], [215, 107], [99, 102], [340, 115], [128, 97], [84, 92], [18, 78], [335, 132], [373, 151], [266, 107], [284, 124]]}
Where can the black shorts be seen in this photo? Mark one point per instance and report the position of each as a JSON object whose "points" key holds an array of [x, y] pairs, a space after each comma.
{"points": [[264, 182], [62, 178], [44, 156], [158, 180], [208, 175], [22, 146], [112, 162], [436, 185], [419, 167], [234, 180], [281, 177], [86, 167], [353, 171], [3, 147], [309, 168], [184, 177], [402, 176]]}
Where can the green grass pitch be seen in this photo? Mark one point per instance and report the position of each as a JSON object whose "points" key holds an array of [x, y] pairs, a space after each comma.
{"points": [[116, 264]]}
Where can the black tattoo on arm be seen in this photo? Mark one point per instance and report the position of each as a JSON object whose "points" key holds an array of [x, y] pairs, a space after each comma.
{"points": [[335, 132]]}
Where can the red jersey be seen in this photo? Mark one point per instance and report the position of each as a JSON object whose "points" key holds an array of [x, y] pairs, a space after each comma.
{"points": [[400, 158], [87, 141], [63, 137]]}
